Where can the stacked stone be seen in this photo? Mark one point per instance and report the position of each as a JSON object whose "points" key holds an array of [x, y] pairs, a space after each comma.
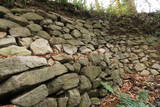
{"points": [[48, 60]]}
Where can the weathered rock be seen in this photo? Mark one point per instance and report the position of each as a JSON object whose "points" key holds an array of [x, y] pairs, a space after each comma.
{"points": [[95, 101], [69, 67], [19, 32], [64, 82], [26, 42], [14, 50], [75, 42], [85, 101], [56, 40], [69, 49], [17, 19], [59, 24], [83, 61], [140, 67], [56, 33], [145, 72], [32, 97], [67, 36], [4, 10], [31, 78], [7, 41], [48, 102], [54, 27], [76, 33], [32, 16], [62, 57], [156, 66], [6, 24], [62, 102], [84, 49], [154, 72], [34, 27], [19, 64], [85, 83], [74, 98], [92, 72], [77, 67], [96, 58], [41, 47], [44, 35], [3, 34]]}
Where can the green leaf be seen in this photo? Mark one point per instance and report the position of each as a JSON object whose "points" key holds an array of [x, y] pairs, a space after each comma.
{"points": [[107, 87]]}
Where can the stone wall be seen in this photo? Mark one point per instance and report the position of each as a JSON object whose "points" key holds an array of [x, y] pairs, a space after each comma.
{"points": [[48, 60]]}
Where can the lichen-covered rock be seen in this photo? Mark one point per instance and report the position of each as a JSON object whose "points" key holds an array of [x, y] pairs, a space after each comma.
{"points": [[62, 57], [19, 64], [85, 101], [74, 98], [95, 101], [4, 10], [92, 72], [64, 82], [140, 67], [32, 97], [26, 42], [85, 83], [69, 49], [32, 16], [31, 77], [76, 33], [62, 101], [6, 24], [41, 47], [44, 35], [34, 27], [14, 50], [96, 58], [48, 102], [19, 32], [7, 41]]}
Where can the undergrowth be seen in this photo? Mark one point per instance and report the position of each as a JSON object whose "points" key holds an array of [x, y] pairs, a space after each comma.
{"points": [[127, 101]]}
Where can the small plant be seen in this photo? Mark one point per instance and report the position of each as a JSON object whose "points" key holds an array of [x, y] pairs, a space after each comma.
{"points": [[126, 100]]}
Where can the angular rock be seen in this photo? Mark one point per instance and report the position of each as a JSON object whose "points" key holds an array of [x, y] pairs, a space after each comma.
{"points": [[26, 42], [48, 102], [6, 24], [19, 32], [17, 19], [85, 102], [76, 33], [41, 47], [32, 16], [62, 57], [32, 77], [64, 82], [92, 72], [19, 64], [7, 41], [32, 97], [85, 83], [34, 27], [74, 98], [44, 35], [62, 102], [69, 49], [14, 50]]}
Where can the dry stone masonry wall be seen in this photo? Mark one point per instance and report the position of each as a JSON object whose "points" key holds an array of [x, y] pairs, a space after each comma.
{"points": [[48, 60]]}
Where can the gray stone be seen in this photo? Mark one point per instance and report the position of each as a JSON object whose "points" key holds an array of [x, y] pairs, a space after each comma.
{"points": [[14, 50], [4, 10], [6, 24], [48, 102], [77, 67], [92, 72], [140, 67], [32, 97], [145, 72], [62, 102], [31, 77], [69, 49], [19, 32], [54, 27], [3, 34], [56, 33], [17, 19], [74, 98], [7, 41], [19, 64], [83, 60], [156, 66], [76, 33], [84, 84], [62, 57], [67, 36], [26, 42], [34, 27], [56, 40], [32, 16], [75, 42], [96, 58], [85, 101], [154, 72], [64, 82], [69, 66], [41, 47], [44, 35], [84, 49], [59, 24]]}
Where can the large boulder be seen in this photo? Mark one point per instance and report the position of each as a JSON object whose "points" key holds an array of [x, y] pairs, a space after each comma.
{"points": [[64, 82], [32, 97], [14, 50], [7, 41], [6, 24], [41, 47], [17, 64], [20, 32], [31, 77]]}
